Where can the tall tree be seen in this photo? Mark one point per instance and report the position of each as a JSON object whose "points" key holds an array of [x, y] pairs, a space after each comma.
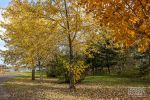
{"points": [[28, 33]]}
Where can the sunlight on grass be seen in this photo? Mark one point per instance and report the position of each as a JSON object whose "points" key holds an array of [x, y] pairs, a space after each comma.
{"points": [[115, 80], [94, 87]]}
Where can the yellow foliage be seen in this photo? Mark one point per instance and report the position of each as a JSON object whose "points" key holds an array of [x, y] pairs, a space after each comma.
{"points": [[78, 69]]}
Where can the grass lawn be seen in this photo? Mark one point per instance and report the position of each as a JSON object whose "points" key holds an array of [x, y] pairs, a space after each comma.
{"points": [[93, 87], [111, 80]]}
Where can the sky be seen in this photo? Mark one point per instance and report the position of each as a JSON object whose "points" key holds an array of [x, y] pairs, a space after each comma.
{"points": [[3, 4]]}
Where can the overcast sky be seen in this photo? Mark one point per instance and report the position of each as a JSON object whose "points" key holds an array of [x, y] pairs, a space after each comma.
{"points": [[3, 4]]}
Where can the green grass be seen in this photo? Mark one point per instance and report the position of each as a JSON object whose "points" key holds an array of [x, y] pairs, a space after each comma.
{"points": [[105, 80], [93, 87], [113, 80]]}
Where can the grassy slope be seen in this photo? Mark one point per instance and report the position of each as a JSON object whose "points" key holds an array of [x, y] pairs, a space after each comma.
{"points": [[95, 87]]}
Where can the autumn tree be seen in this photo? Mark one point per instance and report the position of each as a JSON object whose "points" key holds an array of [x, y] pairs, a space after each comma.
{"points": [[73, 28], [72, 22], [28, 34], [128, 18]]}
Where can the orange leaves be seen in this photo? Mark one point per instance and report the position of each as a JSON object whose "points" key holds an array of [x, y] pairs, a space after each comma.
{"points": [[134, 20], [131, 33], [129, 21], [141, 49], [143, 44]]}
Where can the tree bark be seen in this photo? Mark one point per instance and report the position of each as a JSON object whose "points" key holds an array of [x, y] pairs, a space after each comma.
{"points": [[108, 69], [40, 70], [72, 80], [71, 73], [33, 73], [93, 70], [149, 52]]}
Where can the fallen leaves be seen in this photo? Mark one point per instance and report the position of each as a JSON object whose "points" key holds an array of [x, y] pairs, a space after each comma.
{"points": [[50, 89]]}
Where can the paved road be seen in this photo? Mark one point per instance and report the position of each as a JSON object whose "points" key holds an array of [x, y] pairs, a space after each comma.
{"points": [[3, 93]]}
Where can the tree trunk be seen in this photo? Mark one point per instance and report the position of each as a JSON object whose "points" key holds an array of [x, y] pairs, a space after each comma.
{"points": [[33, 70], [149, 52], [71, 73], [40, 71], [33, 73], [108, 69], [72, 79], [93, 70]]}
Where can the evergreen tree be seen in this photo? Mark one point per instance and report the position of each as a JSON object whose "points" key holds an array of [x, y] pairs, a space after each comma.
{"points": [[102, 56]]}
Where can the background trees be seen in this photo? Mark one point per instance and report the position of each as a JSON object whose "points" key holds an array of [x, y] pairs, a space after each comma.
{"points": [[102, 57]]}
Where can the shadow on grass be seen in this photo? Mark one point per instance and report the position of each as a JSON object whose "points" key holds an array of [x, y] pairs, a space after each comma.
{"points": [[33, 91], [109, 80], [23, 88]]}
